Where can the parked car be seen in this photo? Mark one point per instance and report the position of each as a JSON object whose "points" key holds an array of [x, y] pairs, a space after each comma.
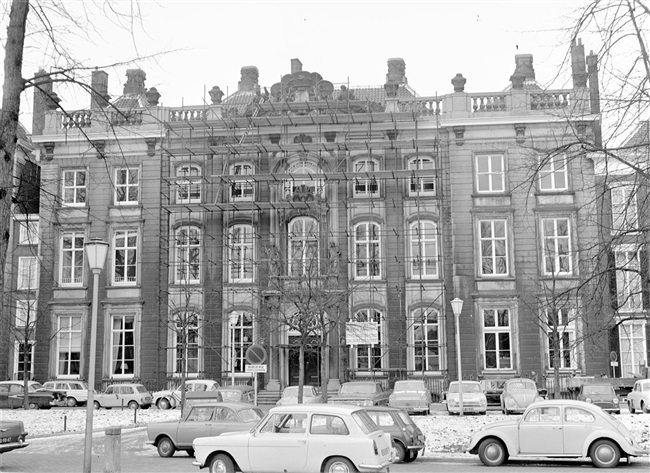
{"points": [[602, 395], [309, 438], [408, 439], [639, 397], [517, 395], [12, 394], [474, 400], [202, 420], [412, 395], [12, 435], [310, 395], [361, 393], [562, 428], [131, 395], [171, 398], [237, 393], [76, 392]]}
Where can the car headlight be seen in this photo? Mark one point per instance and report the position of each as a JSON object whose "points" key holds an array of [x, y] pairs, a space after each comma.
{"points": [[510, 401], [615, 400], [483, 402], [452, 402], [367, 402], [588, 399]]}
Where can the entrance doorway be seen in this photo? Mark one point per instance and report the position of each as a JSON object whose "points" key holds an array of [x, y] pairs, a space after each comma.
{"points": [[312, 363]]}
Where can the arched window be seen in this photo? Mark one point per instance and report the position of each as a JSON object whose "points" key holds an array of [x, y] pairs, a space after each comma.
{"points": [[188, 184], [302, 186], [367, 251], [365, 327], [187, 255], [241, 253], [426, 340], [185, 343], [367, 185], [303, 246], [422, 185], [424, 249]]}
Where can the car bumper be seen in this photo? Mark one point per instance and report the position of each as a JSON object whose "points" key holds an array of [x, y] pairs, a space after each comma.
{"points": [[378, 467], [7, 447], [410, 407], [456, 409]]}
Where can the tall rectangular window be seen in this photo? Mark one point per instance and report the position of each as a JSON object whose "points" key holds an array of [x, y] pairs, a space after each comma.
{"points": [[625, 216], [74, 187], [303, 247], [424, 249], [25, 313], [28, 273], [68, 337], [490, 173], [242, 186], [28, 234], [497, 350], [422, 185], [367, 185], [72, 258], [188, 184], [126, 261], [24, 359], [632, 341], [240, 337], [187, 255], [240, 253], [367, 253], [426, 343], [493, 240], [553, 174], [629, 286], [127, 186], [556, 246], [561, 338], [368, 357], [186, 343], [122, 348]]}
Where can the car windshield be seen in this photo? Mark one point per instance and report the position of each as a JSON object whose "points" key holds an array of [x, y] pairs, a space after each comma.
{"points": [[141, 389], [292, 391], [409, 386], [521, 386], [368, 388], [599, 389], [34, 386], [230, 395], [467, 388], [364, 421], [250, 415]]}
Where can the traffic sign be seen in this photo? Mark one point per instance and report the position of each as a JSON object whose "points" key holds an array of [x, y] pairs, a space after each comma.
{"points": [[255, 354], [255, 368]]}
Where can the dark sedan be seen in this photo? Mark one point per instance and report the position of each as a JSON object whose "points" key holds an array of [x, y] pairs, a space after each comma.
{"points": [[12, 394], [361, 393], [12, 435]]}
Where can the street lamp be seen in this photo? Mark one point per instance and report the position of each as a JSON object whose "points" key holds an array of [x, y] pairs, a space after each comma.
{"points": [[96, 250], [457, 308]]}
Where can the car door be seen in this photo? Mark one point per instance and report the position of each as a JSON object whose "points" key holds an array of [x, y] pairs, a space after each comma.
{"points": [[126, 394], [635, 396], [225, 420], [280, 444], [578, 424], [540, 432], [197, 424]]}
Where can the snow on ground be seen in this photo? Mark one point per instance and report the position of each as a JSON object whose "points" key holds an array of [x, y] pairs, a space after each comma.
{"points": [[444, 433]]}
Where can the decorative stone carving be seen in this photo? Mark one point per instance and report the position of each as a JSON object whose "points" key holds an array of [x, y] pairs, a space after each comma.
{"points": [[391, 89], [581, 129], [99, 146], [459, 132], [216, 94], [520, 132], [302, 138], [135, 81], [249, 79], [396, 71], [151, 146], [275, 138], [52, 101], [345, 94], [392, 134], [517, 79], [458, 82], [524, 65], [330, 136], [48, 147], [153, 97]]}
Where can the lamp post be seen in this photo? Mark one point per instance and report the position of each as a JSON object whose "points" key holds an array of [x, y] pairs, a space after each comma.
{"points": [[457, 308], [96, 250]]}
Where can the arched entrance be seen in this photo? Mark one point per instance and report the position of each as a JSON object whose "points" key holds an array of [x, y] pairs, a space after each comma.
{"points": [[312, 362]]}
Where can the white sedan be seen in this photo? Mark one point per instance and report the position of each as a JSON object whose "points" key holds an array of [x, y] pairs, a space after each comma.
{"points": [[171, 398], [639, 398], [301, 438]]}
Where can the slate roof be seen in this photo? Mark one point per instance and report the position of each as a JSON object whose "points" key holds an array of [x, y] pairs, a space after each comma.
{"points": [[130, 101], [640, 136]]}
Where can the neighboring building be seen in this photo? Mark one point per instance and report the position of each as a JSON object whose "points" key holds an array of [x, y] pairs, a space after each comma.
{"points": [[425, 199]]}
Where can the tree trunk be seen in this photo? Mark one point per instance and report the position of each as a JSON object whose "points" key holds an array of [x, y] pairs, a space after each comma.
{"points": [[301, 370], [324, 374]]}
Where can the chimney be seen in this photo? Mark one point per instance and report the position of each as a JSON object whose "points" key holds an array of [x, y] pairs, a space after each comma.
{"points": [[578, 67], [135, 82], [396, 71], [594, 95], [42, 93], [99, 90], [524, 65], [296, 66], [249, 77]]}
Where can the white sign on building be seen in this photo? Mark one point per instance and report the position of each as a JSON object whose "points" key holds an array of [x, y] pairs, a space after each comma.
{"points": [[361, 333]]}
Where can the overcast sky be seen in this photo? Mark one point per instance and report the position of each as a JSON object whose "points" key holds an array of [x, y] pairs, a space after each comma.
{"points": [[344, 41]]}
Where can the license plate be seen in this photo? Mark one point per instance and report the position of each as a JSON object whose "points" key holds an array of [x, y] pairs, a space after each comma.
{"points": [[5, 440]]}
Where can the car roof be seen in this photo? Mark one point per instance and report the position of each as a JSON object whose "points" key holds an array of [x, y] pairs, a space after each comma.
{"points": [[565, 402], [236, 387], [233, 405], [517, 380], [318, 408], [381, 408], [125, 384]]}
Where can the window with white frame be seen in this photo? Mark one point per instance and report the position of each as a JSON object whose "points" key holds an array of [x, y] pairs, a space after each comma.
{"points": [[240, 253], [625, 217], [185, 340], [68, 342], [556, 246], [497, 338], [633, 346], [122, 349], [240, 337], [302, 186], [74, 187], [23, 359], [127, 186], [303, 246], [629, 286], [493, 242], [422, 185], [426, 339], [366, 186], [125, 246], [28, 233], [368, 357], [28, 273], [553, 174], [561, 338], [424, 249], [26, 313], [367, 251], [187, 255], [72, 258], [490, 173], [188, 184], [242, 186]]}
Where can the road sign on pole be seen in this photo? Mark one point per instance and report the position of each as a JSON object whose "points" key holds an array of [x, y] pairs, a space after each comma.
{"points": [[256, 354]]}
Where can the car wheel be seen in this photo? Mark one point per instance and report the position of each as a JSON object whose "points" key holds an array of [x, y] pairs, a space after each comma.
{"points": [[645, 408], [96, 405], [163, 403], [71, 402], [492, 452], [604, 454], [222, 464], [34, 405], [411, 456], [133, 405], [630, 407], [165, 447], [338, 465], [400, 452]]}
